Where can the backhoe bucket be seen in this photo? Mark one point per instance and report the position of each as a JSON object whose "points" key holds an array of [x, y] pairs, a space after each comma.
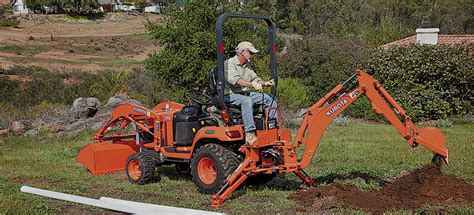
{"points": [[102, 158], [433, 139]]}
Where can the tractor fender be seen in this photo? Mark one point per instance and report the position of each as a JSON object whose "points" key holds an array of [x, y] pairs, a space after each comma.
{"points": [[221, 134]]}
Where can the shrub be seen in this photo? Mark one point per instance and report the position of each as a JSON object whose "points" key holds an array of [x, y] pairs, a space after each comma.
{"points": [[292, 94], [8, 114], [429, 82], [44, 85], [52, 89], [292, 97], [320, 63], [362, 108], [111, 83], [10, 21]]}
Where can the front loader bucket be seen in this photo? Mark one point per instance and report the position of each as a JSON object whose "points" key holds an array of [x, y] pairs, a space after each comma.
{"points": [[433, 139], [102, 158]]}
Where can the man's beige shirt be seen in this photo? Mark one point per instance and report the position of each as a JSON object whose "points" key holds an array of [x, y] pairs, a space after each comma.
{"points": [[234, 71]]}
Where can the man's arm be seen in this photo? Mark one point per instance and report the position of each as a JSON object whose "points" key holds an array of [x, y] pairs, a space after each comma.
{"points": [[244, 83]]}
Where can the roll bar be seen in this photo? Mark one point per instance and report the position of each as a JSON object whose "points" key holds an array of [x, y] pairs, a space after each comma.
{"points": [[220, 52]]}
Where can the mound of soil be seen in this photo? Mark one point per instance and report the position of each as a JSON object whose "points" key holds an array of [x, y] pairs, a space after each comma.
{"points": [[424, 186]]}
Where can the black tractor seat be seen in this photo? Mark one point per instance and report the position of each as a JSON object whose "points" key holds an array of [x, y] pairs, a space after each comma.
{"points": [[235, 110]]}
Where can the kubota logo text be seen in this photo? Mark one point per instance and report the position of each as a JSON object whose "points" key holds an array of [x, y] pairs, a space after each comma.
{"points": [[337, 107]]}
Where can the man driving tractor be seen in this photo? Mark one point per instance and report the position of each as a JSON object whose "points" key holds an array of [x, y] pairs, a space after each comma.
{"points": [[240, 77]]}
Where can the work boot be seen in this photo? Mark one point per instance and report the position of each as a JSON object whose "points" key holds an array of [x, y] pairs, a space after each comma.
{"points": [[250, 138]]}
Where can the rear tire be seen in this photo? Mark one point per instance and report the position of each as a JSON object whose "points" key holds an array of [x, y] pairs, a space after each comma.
{"points": [[211, 165], [140, 168], [183, 168]]}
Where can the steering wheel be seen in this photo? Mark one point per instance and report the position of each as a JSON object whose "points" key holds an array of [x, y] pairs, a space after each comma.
{"points": [[201, 98]]}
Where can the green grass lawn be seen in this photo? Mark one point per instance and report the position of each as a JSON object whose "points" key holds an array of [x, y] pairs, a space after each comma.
{"points": [[373, 149]]}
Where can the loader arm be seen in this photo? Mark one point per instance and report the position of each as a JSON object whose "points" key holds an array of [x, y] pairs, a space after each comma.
{"points": [[320, 115]]}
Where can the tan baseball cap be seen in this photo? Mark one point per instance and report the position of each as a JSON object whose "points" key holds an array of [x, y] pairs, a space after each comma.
{"points": [[247, 45]]}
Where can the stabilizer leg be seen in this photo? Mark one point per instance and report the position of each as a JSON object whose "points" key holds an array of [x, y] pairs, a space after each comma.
{"points": [[220, 197], [303, 176], [232, 183]]}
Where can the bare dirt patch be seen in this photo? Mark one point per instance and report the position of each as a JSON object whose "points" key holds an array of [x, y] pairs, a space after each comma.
{"points": [[424, 186], [53, 43]]}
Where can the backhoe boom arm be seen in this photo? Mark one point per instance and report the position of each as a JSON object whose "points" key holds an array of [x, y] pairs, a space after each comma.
{"points": [[320, 115]]}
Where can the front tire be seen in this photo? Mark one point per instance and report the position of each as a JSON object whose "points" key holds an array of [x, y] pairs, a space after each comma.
{"points": [[140, 168], [211, 165]]}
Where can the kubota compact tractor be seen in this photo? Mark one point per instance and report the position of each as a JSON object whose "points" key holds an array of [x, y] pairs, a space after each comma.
{"points": [[211, 146]]}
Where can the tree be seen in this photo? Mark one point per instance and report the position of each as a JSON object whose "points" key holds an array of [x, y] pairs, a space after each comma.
{"points": [[79, 6], [140, 4], [378, 21], [187, 36], [72, 6], [36, 5]]}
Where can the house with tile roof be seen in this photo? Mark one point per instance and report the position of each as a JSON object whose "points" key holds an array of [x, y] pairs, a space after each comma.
{"points": [[431, 36], [5, 2], [108, 5], [19, 7]]}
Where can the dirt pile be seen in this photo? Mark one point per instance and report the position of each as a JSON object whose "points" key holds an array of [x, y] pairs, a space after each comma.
{"points": [[425, 186]]}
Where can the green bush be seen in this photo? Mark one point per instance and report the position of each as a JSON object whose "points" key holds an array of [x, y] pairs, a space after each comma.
{"points": [[292, 94], [9, 21], [429, 82], [110, 83], [320, 63], [362, 108]]}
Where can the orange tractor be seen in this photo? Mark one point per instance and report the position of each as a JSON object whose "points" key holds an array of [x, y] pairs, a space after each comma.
{"points": [[210, 146]]}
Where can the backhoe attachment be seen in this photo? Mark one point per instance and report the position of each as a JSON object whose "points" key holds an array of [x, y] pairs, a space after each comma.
{"points": [[324, 111]]}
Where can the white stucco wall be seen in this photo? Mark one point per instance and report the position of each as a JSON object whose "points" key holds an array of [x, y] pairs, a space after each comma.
{"points": [[19, 7]]}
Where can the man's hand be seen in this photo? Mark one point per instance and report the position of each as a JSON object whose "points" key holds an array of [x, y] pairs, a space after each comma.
{"points": [[257, 86], [270, 83]]}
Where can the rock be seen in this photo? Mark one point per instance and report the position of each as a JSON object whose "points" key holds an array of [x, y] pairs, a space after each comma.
{"points": [[86, 107], [96, 126], [17, 127], [302, 112], [93, 123], [31, 133], [4, 132], [50, 127], [37, 123], [117, 100]]}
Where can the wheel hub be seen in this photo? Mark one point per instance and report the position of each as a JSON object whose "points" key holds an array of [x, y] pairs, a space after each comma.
{"points": [[207, 170]]}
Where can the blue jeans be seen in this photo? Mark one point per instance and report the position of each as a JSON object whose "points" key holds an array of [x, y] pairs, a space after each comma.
{"points": [[246, 105]]}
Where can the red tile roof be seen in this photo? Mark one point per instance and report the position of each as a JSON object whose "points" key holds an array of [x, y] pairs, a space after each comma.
{"points": [[442, 39], [5, 2]]}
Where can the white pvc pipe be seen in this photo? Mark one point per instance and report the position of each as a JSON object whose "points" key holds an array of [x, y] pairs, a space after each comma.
{"points": [[85, 200], [159, 209]]}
